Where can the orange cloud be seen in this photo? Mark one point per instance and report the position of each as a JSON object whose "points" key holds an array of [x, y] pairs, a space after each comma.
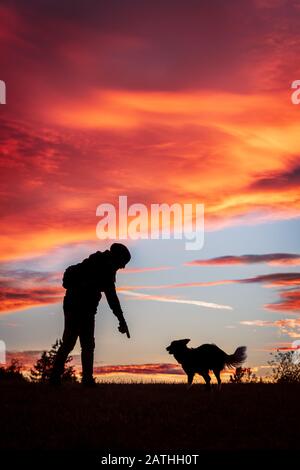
{"points": [[111, 108], [288, 326], [192, 139]]}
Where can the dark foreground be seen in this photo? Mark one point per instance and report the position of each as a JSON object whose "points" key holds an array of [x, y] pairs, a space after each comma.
{"points": [[149, 417]]}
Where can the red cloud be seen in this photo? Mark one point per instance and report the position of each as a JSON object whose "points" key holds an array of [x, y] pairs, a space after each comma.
{"points": [[270, 258], [289, 301], [146, 369], [289, 178], [143, 369], [13, 298], [22, 289], [142, 270], [133, 116], [29, 358], [289, 298], [75, 163], [274, 279], [175, 286], [271, 280], [26, 358]]}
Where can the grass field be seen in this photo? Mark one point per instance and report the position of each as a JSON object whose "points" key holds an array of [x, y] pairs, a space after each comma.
{"points": [[149, 417]]}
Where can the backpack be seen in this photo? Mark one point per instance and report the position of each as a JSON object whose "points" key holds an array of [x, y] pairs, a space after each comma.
{"points": [[87, 272], [72, 276]]}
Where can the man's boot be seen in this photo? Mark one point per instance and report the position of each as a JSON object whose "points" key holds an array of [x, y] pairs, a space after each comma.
{"points": [[87, 360]]}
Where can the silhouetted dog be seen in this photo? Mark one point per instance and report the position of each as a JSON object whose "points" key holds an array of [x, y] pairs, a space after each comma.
{"points": [[204, 358]]}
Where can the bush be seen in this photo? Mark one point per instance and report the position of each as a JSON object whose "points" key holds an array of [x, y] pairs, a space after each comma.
{"points": [[284, 368], [41, 371], [12, 372], [243, 375]]}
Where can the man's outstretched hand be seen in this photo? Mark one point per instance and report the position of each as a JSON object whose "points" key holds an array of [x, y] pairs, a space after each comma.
{"points": [[123, 328]]}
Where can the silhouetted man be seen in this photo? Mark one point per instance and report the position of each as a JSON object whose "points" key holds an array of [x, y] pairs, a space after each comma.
{"points": [[84, 284]]}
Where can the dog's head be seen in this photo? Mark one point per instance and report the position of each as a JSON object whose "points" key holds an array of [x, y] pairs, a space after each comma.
{"points": [[177, 346]]}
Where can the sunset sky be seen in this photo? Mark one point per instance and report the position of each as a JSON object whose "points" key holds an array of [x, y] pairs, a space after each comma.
{"points": [[164, 102]]}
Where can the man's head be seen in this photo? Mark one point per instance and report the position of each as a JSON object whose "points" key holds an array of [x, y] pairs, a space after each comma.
{"points": [[121, 255]]}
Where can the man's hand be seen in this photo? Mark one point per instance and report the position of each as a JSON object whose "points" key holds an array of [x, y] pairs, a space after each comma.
{"points": [[123, 328]]}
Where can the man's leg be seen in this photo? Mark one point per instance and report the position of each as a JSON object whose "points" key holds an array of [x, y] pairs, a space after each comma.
{"points": [[70, 335], [87, 342]]}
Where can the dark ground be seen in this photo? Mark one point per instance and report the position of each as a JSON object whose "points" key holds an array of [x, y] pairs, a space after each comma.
{"points": [[149, 417]]}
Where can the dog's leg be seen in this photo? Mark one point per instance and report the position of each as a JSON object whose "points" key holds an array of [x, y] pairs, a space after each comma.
{"points": [[190, 380], [217, 374], [207, 379]]}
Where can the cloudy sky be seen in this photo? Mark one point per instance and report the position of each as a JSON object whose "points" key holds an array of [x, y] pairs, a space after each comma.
{"points": [[186, 102]]}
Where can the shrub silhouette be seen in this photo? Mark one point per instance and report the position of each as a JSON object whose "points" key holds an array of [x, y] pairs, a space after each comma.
{"points": [[12, 372], [42, 369], [243, 374], [284, 368]]}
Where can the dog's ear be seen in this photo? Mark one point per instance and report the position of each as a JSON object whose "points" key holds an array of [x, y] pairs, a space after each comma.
{"points": [[186, 341]]}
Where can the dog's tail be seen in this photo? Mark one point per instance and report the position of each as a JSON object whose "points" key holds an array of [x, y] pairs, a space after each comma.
{"points": [[237, 358]]}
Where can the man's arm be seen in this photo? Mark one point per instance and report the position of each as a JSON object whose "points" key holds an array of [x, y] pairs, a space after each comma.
{"points": [[114, 303]]}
